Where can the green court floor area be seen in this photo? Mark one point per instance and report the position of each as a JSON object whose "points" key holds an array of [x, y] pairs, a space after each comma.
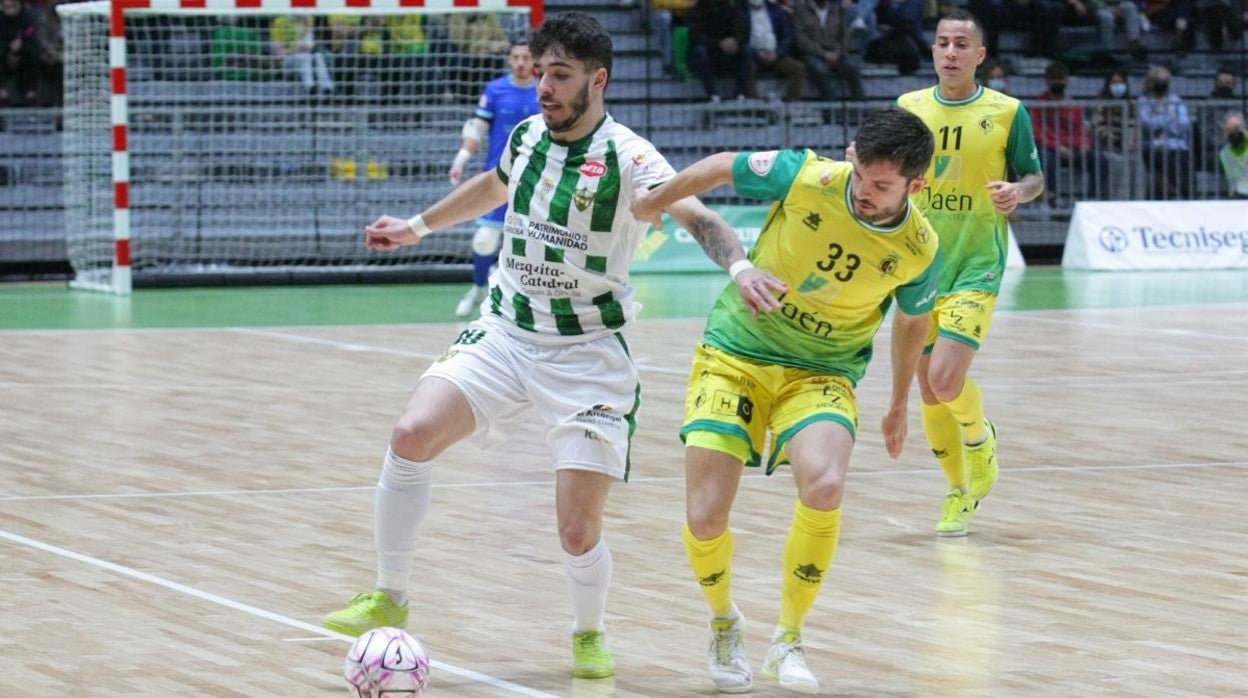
{"points": [[51, 306]]}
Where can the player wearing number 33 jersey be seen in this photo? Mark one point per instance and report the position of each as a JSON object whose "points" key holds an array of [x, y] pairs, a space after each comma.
{"points": [[841, 270]]}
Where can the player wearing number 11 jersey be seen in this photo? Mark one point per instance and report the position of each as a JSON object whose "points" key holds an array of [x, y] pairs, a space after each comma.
{"points": [[981, 137], [847, 243]]}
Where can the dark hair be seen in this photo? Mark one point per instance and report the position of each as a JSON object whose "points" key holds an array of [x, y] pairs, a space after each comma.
{"points": [[1056, 69], [579, 35], [895, 135], [961, 15], [517, 41]]}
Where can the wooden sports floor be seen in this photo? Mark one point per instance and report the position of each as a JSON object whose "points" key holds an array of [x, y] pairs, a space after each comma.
{"points": [[186, 486]]}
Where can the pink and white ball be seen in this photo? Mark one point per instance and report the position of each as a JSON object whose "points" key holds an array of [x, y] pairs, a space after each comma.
{"points": [[386, 663]]}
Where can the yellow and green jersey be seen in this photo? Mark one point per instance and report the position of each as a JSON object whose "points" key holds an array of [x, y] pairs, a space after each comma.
{"points": [[842, 272], [980, 139], [568, 235]]}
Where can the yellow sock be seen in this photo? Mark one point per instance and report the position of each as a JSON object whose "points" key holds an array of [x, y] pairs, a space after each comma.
{"points": [[807, 556], [968, 409], [945, 437], [712, 565]]}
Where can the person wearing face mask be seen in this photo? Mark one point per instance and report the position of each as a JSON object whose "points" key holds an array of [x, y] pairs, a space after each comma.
{"points": [[1065, 144], [1114, 123], [1167, 132], [996, 76], [1234, 155]]}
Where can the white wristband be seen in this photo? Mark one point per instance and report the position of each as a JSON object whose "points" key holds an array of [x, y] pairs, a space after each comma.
{"points": [[739, 266], [418, 226], [461, 159]]}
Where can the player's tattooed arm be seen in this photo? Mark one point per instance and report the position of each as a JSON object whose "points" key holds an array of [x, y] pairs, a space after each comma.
{"points": [[718, 240], [758, 287]]}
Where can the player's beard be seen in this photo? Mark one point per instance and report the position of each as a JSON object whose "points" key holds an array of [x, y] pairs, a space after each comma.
{"points": [[882, 216], [576, 108]]}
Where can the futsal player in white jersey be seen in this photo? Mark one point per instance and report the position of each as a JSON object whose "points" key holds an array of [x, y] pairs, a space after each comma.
{"points": [[549, 336]]}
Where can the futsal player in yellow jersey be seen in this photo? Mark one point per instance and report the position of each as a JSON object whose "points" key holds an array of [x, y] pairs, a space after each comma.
{"points": [[981, 135], [846, 242]]}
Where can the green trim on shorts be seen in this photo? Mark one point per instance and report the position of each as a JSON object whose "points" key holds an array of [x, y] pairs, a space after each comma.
{"points": [[783, 439], [941, 332], [631, 418], [756, 458]]}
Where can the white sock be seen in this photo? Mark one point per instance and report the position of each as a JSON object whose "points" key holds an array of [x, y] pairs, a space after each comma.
{"points": [[399, 505], [589, 577]]}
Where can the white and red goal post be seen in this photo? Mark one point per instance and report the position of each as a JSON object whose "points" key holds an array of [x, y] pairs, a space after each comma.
{"points": [[197, 151]]}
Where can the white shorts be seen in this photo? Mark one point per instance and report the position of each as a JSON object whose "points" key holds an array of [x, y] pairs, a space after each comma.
{"points": [[586, 394]]}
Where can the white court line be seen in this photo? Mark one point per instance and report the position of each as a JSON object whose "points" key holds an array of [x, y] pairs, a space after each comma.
{"points": [[632, 481], [1133, 329], [354, 347], [258, 612]]}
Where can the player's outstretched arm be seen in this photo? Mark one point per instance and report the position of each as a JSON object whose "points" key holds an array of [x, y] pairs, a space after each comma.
{"points": [[721, 243], [701, 176], [479, 195], [909, 334], [474, 132]]}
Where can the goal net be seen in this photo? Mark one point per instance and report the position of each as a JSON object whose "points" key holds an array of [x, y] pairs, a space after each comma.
{"points": [[244, 141]]}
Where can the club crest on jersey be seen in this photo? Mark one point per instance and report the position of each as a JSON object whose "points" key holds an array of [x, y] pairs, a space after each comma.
{"points": [[583, 198], [985, 123], [826, 177], [593, 169], [761, 163], [548, 185], [888, 265]]}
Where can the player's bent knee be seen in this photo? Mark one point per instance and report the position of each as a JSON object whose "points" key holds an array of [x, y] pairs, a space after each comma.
{"points": [[416, 440], [487, 241], [706, 523], [945, 385], [578, 537], [824, 493]]}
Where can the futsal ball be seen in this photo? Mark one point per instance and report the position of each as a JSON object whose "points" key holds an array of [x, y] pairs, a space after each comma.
{"points": [[386, 663]]}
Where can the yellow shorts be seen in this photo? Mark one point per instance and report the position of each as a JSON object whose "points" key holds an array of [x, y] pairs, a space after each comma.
{"points": [[963, 316], [731, 403]]}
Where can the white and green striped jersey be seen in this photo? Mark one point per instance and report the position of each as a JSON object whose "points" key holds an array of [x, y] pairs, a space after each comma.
{"points": [[568, 236]]}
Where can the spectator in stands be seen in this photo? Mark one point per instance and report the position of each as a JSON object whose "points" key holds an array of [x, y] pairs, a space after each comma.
{"points": [[344, 51], [1065, 144], [822, 45], [237, 50], [718, 37], [1111, 13], [1234, 156], [995, 75], [1116, 136], [23, 65], [1040, 19], [52, 40], [772, 48], [1166, 128], [1207, 130], [406, 59], [1173, 16], [480, 47], [1223, 84], [892, 31], [1221, 20], [665, 18], [291, 38]]}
